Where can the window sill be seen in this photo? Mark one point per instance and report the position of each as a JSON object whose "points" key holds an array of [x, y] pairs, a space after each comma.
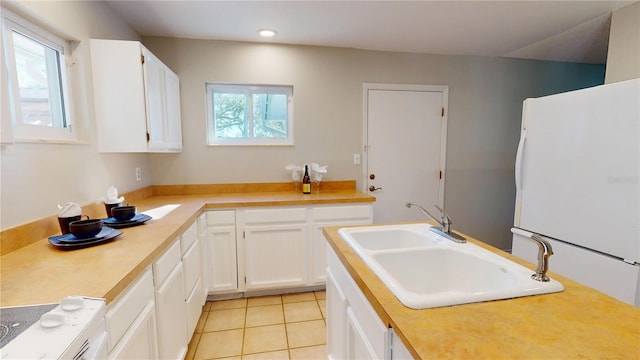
{"points": [[250, 145], [49, 141]]}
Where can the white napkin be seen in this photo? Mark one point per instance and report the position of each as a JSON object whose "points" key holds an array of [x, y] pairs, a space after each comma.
{"points": [[69, 209], [112, 196], [319, 169]]}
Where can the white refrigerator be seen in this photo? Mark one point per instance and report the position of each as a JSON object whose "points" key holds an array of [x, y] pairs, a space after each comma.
{"points": [[577, 185]]}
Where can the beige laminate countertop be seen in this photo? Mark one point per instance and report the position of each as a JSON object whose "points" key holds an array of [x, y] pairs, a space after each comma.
{"points": [[577, 323], [39, 273]]}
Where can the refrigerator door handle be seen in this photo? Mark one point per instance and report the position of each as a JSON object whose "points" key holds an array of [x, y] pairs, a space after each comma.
{"points": [[519, 155]]}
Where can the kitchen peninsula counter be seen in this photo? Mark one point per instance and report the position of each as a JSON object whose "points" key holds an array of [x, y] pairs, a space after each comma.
{"points": [[577, 323], [38, 273]]}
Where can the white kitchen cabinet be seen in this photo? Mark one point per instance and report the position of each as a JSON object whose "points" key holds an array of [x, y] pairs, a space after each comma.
{"points": [[131, 321], [140, 340], [171, 310], [192, 266], [222, 271], [336, 325], [334, 215], [275, 248], [203, 236], [365, 335], [267, 248], [398, 350], [137, 99]]}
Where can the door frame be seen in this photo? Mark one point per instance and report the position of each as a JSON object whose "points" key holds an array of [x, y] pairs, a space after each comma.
{"points": [[444, 89]]}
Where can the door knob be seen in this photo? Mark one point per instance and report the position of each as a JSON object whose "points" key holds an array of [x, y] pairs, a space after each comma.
{"points": [[373, 188], [372, 176]]}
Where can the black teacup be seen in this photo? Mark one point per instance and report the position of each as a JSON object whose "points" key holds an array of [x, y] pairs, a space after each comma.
{"points": [[84, 229], [64, 222], [108, 207], [123, 213]]}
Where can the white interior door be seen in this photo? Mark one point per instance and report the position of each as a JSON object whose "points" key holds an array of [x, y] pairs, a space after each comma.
{"points": [[405, 136]]}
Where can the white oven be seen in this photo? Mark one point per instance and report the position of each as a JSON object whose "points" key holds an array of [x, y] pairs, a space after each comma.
{"points": [[74, 329]]}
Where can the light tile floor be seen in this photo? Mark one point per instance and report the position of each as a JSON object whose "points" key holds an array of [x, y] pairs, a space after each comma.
{"points": [[289, 326]]}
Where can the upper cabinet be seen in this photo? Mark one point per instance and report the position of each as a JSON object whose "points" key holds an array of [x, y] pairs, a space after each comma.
{"points": [[137, 99]]}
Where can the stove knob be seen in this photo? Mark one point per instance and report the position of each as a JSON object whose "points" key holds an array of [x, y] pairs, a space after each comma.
{"points": [[51, 319], [72, 303]]}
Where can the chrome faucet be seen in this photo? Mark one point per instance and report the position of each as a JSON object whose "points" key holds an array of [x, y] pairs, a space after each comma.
{"points": [[544, 251], [444, 222]]}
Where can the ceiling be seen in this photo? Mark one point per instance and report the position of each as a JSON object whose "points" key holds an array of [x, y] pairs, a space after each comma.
{"points": [[575, 31]]}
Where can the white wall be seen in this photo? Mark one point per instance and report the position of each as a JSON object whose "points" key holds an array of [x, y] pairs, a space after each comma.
{"points": [[623, 57], [35, 177], [485, 101]]}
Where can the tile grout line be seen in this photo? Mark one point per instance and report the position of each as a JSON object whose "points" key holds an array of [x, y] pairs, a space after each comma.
{"points": [[286, 330], [246, 309], [244, 328]]}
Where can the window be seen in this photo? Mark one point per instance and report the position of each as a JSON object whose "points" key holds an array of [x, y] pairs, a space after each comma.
{"points": [[249, 115], [37, 81]]}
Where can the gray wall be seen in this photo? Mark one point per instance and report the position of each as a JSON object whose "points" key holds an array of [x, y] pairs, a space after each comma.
{"points": [[485, 102]]}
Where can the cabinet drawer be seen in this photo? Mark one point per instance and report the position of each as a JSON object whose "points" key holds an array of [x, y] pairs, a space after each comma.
{"points": [[226, 217], [166, 262], [125, 309], [188, 237], [275, 215], [328, 213], [192, 267]]}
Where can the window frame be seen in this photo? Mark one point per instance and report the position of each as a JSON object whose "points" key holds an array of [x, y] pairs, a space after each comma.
{"points": [[249, 90], [22, 131]]}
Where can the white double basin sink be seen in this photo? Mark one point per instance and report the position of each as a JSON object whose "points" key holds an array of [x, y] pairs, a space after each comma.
{"points": [[425, 270]]}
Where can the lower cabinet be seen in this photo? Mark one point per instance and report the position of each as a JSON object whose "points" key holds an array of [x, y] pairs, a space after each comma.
{"points": [[170, 304], [192, 264], [155, 317], [360, 333], [266, 248], [140, 341], [338, 215], [203, 231], [275, 248], [221, 253], [354, 330], [131, 321]]}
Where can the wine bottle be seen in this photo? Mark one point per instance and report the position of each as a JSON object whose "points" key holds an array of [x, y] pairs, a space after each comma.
{"points": [[306, 181]]}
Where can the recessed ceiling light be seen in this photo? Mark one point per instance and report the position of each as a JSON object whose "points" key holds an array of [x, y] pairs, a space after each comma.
{"points": [[267, 33]]}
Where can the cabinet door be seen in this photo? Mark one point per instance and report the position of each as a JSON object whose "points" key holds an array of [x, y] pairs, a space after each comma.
{"points": [[140, 340], [172, 108], [398, 350], [191, 261], [172, 316], [319, 246], [203, 237], [194, 308], [358, 346], [344, 215], [367, 337], [275, 256], [223, 273], [336, 319], [154, 80], [119, 95]]}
